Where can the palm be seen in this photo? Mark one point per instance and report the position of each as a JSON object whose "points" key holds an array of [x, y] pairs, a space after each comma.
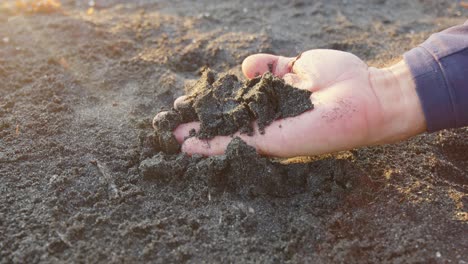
{"points": [[346, 108]]}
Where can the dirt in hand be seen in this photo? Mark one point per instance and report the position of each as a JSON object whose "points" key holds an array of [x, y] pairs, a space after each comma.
{"points": [[225, 106]]}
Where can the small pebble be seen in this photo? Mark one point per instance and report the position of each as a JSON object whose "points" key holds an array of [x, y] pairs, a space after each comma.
{"points": [[6, 40]]}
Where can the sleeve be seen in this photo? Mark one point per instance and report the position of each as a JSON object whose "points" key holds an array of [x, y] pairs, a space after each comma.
{"points": [[439, 67]]}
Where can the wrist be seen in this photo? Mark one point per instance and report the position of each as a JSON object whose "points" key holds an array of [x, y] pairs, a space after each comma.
{"points": [[403, 116]]}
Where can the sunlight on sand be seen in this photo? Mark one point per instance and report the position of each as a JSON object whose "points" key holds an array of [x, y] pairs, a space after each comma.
{"points": [[461, 213], [38, 6]]}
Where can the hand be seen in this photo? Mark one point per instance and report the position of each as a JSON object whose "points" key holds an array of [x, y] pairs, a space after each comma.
{"points": [[354, 106]]}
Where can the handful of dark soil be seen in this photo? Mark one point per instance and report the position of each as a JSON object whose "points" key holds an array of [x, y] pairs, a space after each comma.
{"points": [[225, 106]]}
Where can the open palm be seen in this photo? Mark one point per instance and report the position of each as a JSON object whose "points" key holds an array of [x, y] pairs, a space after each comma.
{"points": [[354, 106]]}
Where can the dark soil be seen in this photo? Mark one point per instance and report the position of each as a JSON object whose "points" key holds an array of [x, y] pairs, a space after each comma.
{"points": [[224, 106], [241, 171], [78, 91]]}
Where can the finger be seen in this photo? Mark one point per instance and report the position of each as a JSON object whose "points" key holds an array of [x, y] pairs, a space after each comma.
{"points": [[212, 147], [160, 120], [155, 119], [216, 145], [183, 130], [283, 138], [258, 64], [179, 101], [277, 140]]}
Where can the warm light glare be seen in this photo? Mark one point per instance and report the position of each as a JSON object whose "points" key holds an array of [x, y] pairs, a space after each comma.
{"points": [[38, 6]]}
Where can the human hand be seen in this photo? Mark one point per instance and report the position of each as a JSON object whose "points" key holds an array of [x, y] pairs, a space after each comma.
{"points": [[354, 106]]}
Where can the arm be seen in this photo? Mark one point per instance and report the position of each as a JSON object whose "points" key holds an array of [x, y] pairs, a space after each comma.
{"points": [[357, 105]]}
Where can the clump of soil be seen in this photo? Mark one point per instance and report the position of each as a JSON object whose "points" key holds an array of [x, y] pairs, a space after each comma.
{"points": [[240, 170], [225, 106]]}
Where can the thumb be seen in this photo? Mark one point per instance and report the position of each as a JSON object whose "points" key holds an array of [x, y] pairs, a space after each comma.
{"points": [[258, 64]]}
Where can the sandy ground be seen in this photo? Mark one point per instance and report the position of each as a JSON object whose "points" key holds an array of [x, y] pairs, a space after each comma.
{"points": [[78, 90]]}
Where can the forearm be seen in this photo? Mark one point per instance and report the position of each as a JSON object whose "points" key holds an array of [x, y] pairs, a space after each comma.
{"points": [[396, 92], [427, 91]]}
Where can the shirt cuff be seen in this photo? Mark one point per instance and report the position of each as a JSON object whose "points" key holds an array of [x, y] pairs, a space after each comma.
{"points": [[432, 89]]}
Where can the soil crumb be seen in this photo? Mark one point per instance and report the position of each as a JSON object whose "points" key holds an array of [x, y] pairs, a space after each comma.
{"points": [[225, 106], [239, 170]]}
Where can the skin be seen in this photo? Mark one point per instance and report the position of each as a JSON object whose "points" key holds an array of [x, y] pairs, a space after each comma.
{"points": [[355, 105]]}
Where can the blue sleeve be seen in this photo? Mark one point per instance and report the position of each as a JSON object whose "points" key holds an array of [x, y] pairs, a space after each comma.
{"points": [[440, 70]]}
